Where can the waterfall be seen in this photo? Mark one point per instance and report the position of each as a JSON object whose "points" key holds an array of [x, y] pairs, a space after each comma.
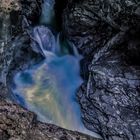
{"points": [[43, 41], [47, 16], [49, 88], [51, 94]]}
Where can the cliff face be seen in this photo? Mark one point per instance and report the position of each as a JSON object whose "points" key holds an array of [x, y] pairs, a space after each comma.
{"points": [[107, 34]]}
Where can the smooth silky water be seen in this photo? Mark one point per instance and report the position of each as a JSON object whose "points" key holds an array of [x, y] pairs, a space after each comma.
{"points": [[49, 88]]}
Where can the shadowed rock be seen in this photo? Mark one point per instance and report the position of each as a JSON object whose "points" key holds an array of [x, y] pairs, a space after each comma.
{"points": [[107, 34], [91, 23], [15, 16]]}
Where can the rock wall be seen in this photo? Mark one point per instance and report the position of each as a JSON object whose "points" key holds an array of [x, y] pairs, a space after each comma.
{"points": [[107, 34]]}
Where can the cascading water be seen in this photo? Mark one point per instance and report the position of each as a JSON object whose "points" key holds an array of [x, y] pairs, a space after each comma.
{"points": [[47, 16], [49, 88]]}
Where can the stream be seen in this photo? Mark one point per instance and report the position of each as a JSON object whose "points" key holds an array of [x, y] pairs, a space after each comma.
{"points": [[49, 88]]}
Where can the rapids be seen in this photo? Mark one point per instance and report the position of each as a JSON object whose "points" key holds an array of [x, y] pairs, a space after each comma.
{"points": [[49, 88]]}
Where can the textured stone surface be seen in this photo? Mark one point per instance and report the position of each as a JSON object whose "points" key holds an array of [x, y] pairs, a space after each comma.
{"points": [[107, 34], [111, 100], [91, 23], [13, 22]]}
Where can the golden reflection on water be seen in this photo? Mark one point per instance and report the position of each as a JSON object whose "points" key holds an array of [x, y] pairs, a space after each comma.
{"points": [[49, 95]]}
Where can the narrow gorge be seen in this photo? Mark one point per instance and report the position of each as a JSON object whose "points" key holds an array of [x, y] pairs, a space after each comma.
{"points": [[69, 70]]}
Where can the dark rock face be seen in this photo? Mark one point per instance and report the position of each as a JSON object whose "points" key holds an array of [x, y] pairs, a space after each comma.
{"points": [[24, 54], [90, 24], [59, 8], [18, 123], [107, 34], [15, 21], [31, 9]]}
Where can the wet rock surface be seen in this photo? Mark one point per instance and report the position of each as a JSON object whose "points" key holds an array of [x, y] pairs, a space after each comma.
{"points": [[107, 34]]}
